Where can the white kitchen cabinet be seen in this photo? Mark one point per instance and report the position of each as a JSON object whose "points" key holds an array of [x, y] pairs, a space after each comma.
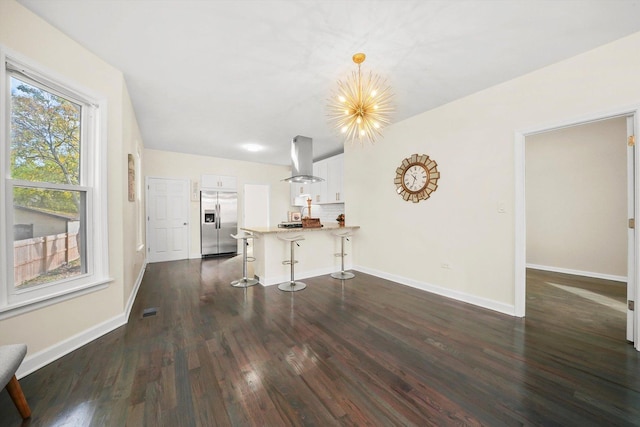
{"points": [[319, 189], [298, 190], [219, 182], [335, 173], [324, 192]]}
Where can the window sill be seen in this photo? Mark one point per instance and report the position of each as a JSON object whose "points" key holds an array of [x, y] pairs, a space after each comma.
{"points": [[17, 309]]}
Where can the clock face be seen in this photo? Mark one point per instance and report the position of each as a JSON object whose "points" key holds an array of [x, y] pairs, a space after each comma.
{"points": [[417, 177]]}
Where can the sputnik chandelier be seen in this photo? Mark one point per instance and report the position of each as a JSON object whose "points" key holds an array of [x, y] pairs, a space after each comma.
{"points": [[360, 108]]}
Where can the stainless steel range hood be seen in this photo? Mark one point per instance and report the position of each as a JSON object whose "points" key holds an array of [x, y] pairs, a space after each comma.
{"points": [[302, 161]]}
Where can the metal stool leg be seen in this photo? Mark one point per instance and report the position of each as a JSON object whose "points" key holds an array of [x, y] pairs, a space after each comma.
{"points": [[244, 282], [292, 285], [342, 275]]}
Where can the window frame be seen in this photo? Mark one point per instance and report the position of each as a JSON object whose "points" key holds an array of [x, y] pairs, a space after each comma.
{"points": [[93, 183]]}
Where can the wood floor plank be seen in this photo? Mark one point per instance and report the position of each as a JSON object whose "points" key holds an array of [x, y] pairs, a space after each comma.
{"points": [[365, 351]]}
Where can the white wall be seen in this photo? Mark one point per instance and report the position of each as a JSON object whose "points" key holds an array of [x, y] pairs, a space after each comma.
{"points": [[165, 164], [472, 140], [53, 330], [133, 249], [576, 198]]}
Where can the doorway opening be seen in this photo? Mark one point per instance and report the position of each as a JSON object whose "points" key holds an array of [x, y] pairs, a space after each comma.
{"points": [[572, 223]]}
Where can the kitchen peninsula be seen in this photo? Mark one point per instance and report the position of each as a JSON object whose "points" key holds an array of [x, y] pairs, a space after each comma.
{"points": [[315, 256]]}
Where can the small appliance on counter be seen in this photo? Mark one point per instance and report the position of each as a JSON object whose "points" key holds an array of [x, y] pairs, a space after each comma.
{"points": [[290, 224]]}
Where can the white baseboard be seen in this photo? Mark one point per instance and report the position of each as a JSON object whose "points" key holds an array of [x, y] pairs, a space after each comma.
{"points": [[42, 358], [134, 292], [578, 272], [456, 295], [35, 361]]}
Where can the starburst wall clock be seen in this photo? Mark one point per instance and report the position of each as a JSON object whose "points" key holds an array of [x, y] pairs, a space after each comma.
{"points": [[416, 178]]}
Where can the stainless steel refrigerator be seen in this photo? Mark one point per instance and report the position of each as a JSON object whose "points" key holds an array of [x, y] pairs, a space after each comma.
{"points": [[218, 220]]}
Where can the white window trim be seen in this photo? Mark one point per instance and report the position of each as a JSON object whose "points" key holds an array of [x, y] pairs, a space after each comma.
{"points": [[97, 227]]}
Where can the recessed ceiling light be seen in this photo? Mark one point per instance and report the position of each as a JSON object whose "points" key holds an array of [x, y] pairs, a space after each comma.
{"points": [[253, 147]]}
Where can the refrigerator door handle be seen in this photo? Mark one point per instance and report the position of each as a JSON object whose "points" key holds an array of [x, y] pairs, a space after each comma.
{"points": [[218, 216]]}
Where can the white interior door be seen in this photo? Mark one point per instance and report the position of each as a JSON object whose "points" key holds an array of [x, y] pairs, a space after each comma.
{"points": [[631, 232], [256, 205], [167, 219]]}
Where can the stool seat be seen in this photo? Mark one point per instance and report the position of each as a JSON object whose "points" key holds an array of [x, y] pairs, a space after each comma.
{"points": [[11, 357], [292, 285], [244, 282], [291, 238], [243, 235], [346, 233], [342, 275]]}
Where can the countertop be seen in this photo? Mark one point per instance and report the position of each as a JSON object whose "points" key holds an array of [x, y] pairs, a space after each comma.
{"points": [[272, 230]]}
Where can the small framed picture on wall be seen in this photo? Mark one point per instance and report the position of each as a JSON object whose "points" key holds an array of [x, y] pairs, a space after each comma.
{"points": [[131, 182]]}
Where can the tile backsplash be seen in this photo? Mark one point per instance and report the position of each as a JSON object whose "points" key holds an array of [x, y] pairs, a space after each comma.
{"points": [[327, 213]]}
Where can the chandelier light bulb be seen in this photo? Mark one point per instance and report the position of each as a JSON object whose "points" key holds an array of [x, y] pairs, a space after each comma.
{"points": [[361, 105]]}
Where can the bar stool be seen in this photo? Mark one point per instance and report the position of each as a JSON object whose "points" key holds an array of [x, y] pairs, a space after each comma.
{"points": [[244, 282], [342, 274], [292, 285]]}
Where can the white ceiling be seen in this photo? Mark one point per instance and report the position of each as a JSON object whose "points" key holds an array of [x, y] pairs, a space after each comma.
{"points": [[206, 77]]}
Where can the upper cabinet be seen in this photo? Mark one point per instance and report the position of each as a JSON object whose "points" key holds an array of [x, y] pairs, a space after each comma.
{"points": [[335, 173], [319, 189], [329, 190], [298, 190], [324, 192], [219, 183]]}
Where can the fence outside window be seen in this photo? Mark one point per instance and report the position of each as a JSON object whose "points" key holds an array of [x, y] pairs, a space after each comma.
{"points": [[39, 256]]}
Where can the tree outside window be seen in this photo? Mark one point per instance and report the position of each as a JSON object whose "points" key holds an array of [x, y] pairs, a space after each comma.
{"points": [[45, 162]]}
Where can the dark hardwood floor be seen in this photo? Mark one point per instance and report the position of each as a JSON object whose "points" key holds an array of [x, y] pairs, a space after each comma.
{"points": [[363, 352]]}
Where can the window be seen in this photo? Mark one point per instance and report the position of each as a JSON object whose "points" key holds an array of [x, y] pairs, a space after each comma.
{"points": [[52, 200]]}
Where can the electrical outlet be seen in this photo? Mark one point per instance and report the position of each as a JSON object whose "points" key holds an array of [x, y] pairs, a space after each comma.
{"points": [[446, 266]]}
